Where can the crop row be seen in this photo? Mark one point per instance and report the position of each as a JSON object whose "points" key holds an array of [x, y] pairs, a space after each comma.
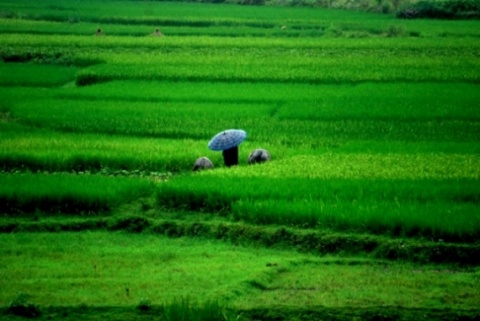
{"points": [[298, 101], [144, 27], [200, 15], [319, 71], [330, 58], [187, 121], [223, 28], [418, 166], [56, 41], [449, 207], [166, 120], [35, 75], [201, 18], [24, 148], [277, 101], [65, 193], [389, 205], [376, 134], [169, 110], [172, 122], [307, 66]]}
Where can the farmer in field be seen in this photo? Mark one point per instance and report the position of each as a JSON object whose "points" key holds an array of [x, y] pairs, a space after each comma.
{"points": [[99, 32], [259, 155], [157, 33], [202, 163], [230, 156], [227, 142]]}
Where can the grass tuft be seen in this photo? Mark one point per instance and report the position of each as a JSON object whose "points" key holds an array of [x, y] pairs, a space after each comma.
{"points": [[188, 309]]}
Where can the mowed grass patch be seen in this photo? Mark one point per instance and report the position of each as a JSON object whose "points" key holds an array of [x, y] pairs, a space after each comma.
{"points": [[66, 193], [111, 269], [330, 284], [118, 269]]}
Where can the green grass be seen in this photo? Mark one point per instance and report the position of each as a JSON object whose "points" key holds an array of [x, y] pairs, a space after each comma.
{"points": [[38, 149], [35, 75], [295, 61], [373, 127], [193, 18], [440, 114], [188, 309], [58, 42], [66, 193], [449, 207], [150, 119], [388, 101], [270, 69], [117, 269]]}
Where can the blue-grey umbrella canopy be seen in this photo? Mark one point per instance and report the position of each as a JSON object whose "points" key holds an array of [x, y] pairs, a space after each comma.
{"points": [[227, 139]]}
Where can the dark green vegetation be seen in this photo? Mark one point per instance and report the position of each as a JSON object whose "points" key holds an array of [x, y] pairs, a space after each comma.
{"points": [[369, 208], [455, 9]]}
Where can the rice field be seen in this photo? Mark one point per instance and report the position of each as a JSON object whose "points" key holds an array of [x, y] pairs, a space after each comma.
{"points": [[372, 124]]}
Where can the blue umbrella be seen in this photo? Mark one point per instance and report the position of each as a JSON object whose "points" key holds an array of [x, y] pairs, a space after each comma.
{"points": [[227, 139]]}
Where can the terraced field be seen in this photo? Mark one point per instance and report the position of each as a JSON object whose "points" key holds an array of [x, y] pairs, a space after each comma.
{"points": [[368, 209]]}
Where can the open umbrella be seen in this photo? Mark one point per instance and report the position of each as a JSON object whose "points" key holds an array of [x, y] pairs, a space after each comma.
{"points": [[228, 141]]}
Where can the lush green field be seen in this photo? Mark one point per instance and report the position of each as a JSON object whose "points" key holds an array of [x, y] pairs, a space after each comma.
{"points": [[96, 269], [372, 122]]}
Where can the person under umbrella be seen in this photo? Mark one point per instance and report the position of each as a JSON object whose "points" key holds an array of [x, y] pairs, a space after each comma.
{"points": [[228, 141]]}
